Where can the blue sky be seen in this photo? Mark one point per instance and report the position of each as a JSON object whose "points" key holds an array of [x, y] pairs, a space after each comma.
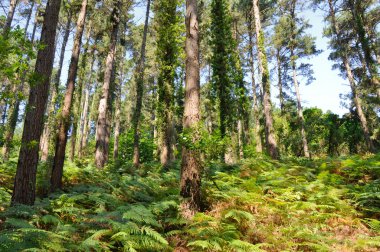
{"points": [[324, 91]]}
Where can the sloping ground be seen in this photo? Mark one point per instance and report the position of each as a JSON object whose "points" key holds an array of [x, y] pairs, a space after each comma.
{"points": [[259, 205]]}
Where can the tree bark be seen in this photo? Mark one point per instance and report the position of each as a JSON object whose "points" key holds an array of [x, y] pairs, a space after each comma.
{"points": [[102, 134], [263, 66], [191, 165], [139, 77], [350, 76], [64, 120], [25, 179], [50, 123]]}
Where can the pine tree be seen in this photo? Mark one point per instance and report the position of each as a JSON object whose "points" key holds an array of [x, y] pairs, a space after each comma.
{"points": [[139, 80], [168, 32], [191, 166], [14, 107], [25, 179], [64, 118], [102, 128], [50, 124], [271, 142]]}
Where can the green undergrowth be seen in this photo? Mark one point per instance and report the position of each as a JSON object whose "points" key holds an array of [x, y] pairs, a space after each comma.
{"points": [[257, 205]]}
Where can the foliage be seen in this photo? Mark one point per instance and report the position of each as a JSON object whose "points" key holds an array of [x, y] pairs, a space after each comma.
{"points": [[259, 205], [147, 146]]}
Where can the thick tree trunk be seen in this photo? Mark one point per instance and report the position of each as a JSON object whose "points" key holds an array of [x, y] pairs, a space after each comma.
{"points": [[191, 165], [139, 77], [64, 119], [263, 66], [102, 134], [256, 129], [15, 105], [350, 76], [49, 127], [25, 180]]}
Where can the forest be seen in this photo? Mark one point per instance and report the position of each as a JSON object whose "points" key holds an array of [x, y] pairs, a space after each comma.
{"points": [[181, 125]]}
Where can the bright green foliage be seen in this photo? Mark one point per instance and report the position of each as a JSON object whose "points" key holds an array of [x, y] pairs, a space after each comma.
{"points": [[168, 29], [258, 205], [147, 146], [227, 75]]}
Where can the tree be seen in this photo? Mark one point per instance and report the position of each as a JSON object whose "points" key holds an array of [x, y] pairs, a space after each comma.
{"points": [[256, 129], [5, 32], [51, 122], [168, 31], [191, 165], [15, 104], [299, 46], [222, 85], [346, 67], [25, 179], [139, 79], [64, 119], [11, 13], [271, 142], [357, 9], [102, 129]]}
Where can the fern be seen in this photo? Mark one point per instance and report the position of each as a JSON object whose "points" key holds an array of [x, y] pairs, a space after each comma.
{"points": [[141, 215]]}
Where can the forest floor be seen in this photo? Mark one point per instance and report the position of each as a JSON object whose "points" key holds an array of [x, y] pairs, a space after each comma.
{"points": [[257, 205]]}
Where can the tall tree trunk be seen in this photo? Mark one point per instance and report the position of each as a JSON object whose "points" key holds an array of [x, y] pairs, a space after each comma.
{"points": [[139, 77], [295, 81], [85, 110], [78, 96], [191, 165], [240, 136], [88, 120], [117, 97], [350, 76], [256, 129], [11, 13], [49, 127], [64, 119], [102, 134], [279, 78], [263, 66], [117, 122], [15, 105], [25, 180], [300, 111], [84, 119]]}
